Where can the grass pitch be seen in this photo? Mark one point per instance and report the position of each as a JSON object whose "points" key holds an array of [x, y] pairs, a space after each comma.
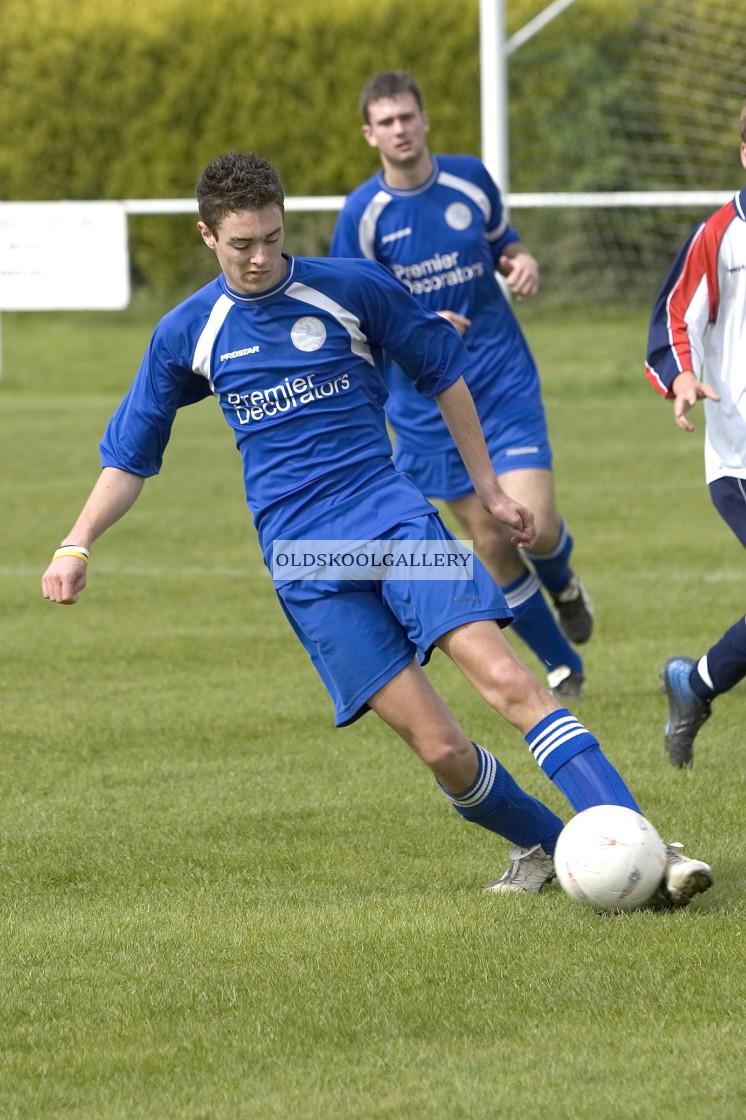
{"points": [[217, 907]]}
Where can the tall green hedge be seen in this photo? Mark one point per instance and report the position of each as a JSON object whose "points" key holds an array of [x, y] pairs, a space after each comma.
{"points": [[131, 98], [106, 99]]}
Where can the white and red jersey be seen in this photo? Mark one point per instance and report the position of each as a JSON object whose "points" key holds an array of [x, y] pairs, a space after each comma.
{"points": [[699, 323]]}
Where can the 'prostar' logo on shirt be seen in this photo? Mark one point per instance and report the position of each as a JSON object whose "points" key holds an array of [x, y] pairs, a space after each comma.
{"points": [[239, 353], [406, 232]]}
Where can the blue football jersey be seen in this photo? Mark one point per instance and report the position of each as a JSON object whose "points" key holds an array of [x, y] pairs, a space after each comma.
{"points": [[442, 241], [298, 373]]}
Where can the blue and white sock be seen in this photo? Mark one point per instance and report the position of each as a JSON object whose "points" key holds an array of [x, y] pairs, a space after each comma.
{"points": [[724, 664], [553, 568], [496, 802], [535, 624], [571, 757]]}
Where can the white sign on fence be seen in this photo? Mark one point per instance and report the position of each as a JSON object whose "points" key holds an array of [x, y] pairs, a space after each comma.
{"points": [[63, 256]]}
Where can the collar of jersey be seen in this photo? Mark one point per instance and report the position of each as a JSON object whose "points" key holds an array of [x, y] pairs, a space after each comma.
{"points": [[243, 297], [740, 204], [403, 192]]}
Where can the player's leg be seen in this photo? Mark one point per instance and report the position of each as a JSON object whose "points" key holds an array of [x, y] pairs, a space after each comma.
{"points": [[534, 621], [723, 666], [521, 456], [565, 750], [365, 657], [460, 615], [550, 556], [691, 684], [477, 785], [729, 498]]}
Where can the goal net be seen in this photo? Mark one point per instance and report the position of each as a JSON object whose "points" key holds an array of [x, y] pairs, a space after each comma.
{"points": [[652, 146]]}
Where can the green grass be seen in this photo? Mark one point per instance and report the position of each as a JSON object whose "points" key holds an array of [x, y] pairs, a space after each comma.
{"points": [[217, 907]]}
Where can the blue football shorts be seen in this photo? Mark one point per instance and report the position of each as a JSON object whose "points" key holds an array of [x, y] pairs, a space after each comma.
{"points": [[360, 633], [521, 443], [729, 498]]}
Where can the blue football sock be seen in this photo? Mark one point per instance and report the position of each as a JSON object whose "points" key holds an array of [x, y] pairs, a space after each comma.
{"points": [[553, 568], [535, 624], [496, 802], [724, 664], [571, 757]]}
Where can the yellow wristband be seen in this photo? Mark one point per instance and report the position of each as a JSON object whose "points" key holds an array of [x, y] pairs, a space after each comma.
{"points": [[72, 550]]}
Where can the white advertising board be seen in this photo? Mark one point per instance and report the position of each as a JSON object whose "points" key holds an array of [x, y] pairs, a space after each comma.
{"points": [[63, 256]]}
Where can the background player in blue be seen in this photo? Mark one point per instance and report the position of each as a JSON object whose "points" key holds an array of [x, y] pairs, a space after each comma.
{"points": [[696, 347], [291, 350], [437, 223]]}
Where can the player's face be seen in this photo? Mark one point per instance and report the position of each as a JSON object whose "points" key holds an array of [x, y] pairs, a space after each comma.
{"points": [[398, 128], [248, 245]]}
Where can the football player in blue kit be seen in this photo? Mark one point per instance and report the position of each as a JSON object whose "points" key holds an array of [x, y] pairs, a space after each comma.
{"points": [[437, 223], [291, 349]]}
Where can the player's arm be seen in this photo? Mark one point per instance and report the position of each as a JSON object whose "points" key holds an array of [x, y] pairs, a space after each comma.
{"points": [[435, 359], [115, 492], [679, 319], [511, 257], [131, 448], [458, 411]]}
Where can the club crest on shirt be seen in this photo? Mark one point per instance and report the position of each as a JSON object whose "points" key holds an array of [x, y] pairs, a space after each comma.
{"points": [[458, 215], [308, 333]]}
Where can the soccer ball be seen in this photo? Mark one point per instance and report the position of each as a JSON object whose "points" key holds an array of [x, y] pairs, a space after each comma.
{"points": [[610, 857]]}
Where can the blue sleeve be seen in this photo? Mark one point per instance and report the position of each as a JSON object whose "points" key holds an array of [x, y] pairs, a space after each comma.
{"points": [[425, 345], [499, 231], [661, 365], [136, 436]]}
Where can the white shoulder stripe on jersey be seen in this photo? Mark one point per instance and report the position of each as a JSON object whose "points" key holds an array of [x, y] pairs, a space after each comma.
{"points": [[366, 231], [475, 193], [345, 318], [496, 234], [203, 349]]}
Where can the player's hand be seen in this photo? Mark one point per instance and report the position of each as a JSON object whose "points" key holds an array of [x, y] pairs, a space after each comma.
{"points": [[521, 273], [518, 518], [64, 580], [687, 390], [460, 322]]}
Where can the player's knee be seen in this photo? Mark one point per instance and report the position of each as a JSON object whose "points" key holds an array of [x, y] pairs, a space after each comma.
{"points": [[507, 684], [490, 540], [445, 756], [549, 527]]}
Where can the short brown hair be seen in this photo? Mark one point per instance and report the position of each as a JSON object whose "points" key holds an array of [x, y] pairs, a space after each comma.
{"points": [[236, 182], [389, 83], [742, 122]]}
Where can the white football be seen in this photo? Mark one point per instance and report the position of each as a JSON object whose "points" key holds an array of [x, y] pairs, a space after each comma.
{"points": [[610, 857]]}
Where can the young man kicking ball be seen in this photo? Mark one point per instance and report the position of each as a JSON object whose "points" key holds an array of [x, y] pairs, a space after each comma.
{"points": [[291, 349]]}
